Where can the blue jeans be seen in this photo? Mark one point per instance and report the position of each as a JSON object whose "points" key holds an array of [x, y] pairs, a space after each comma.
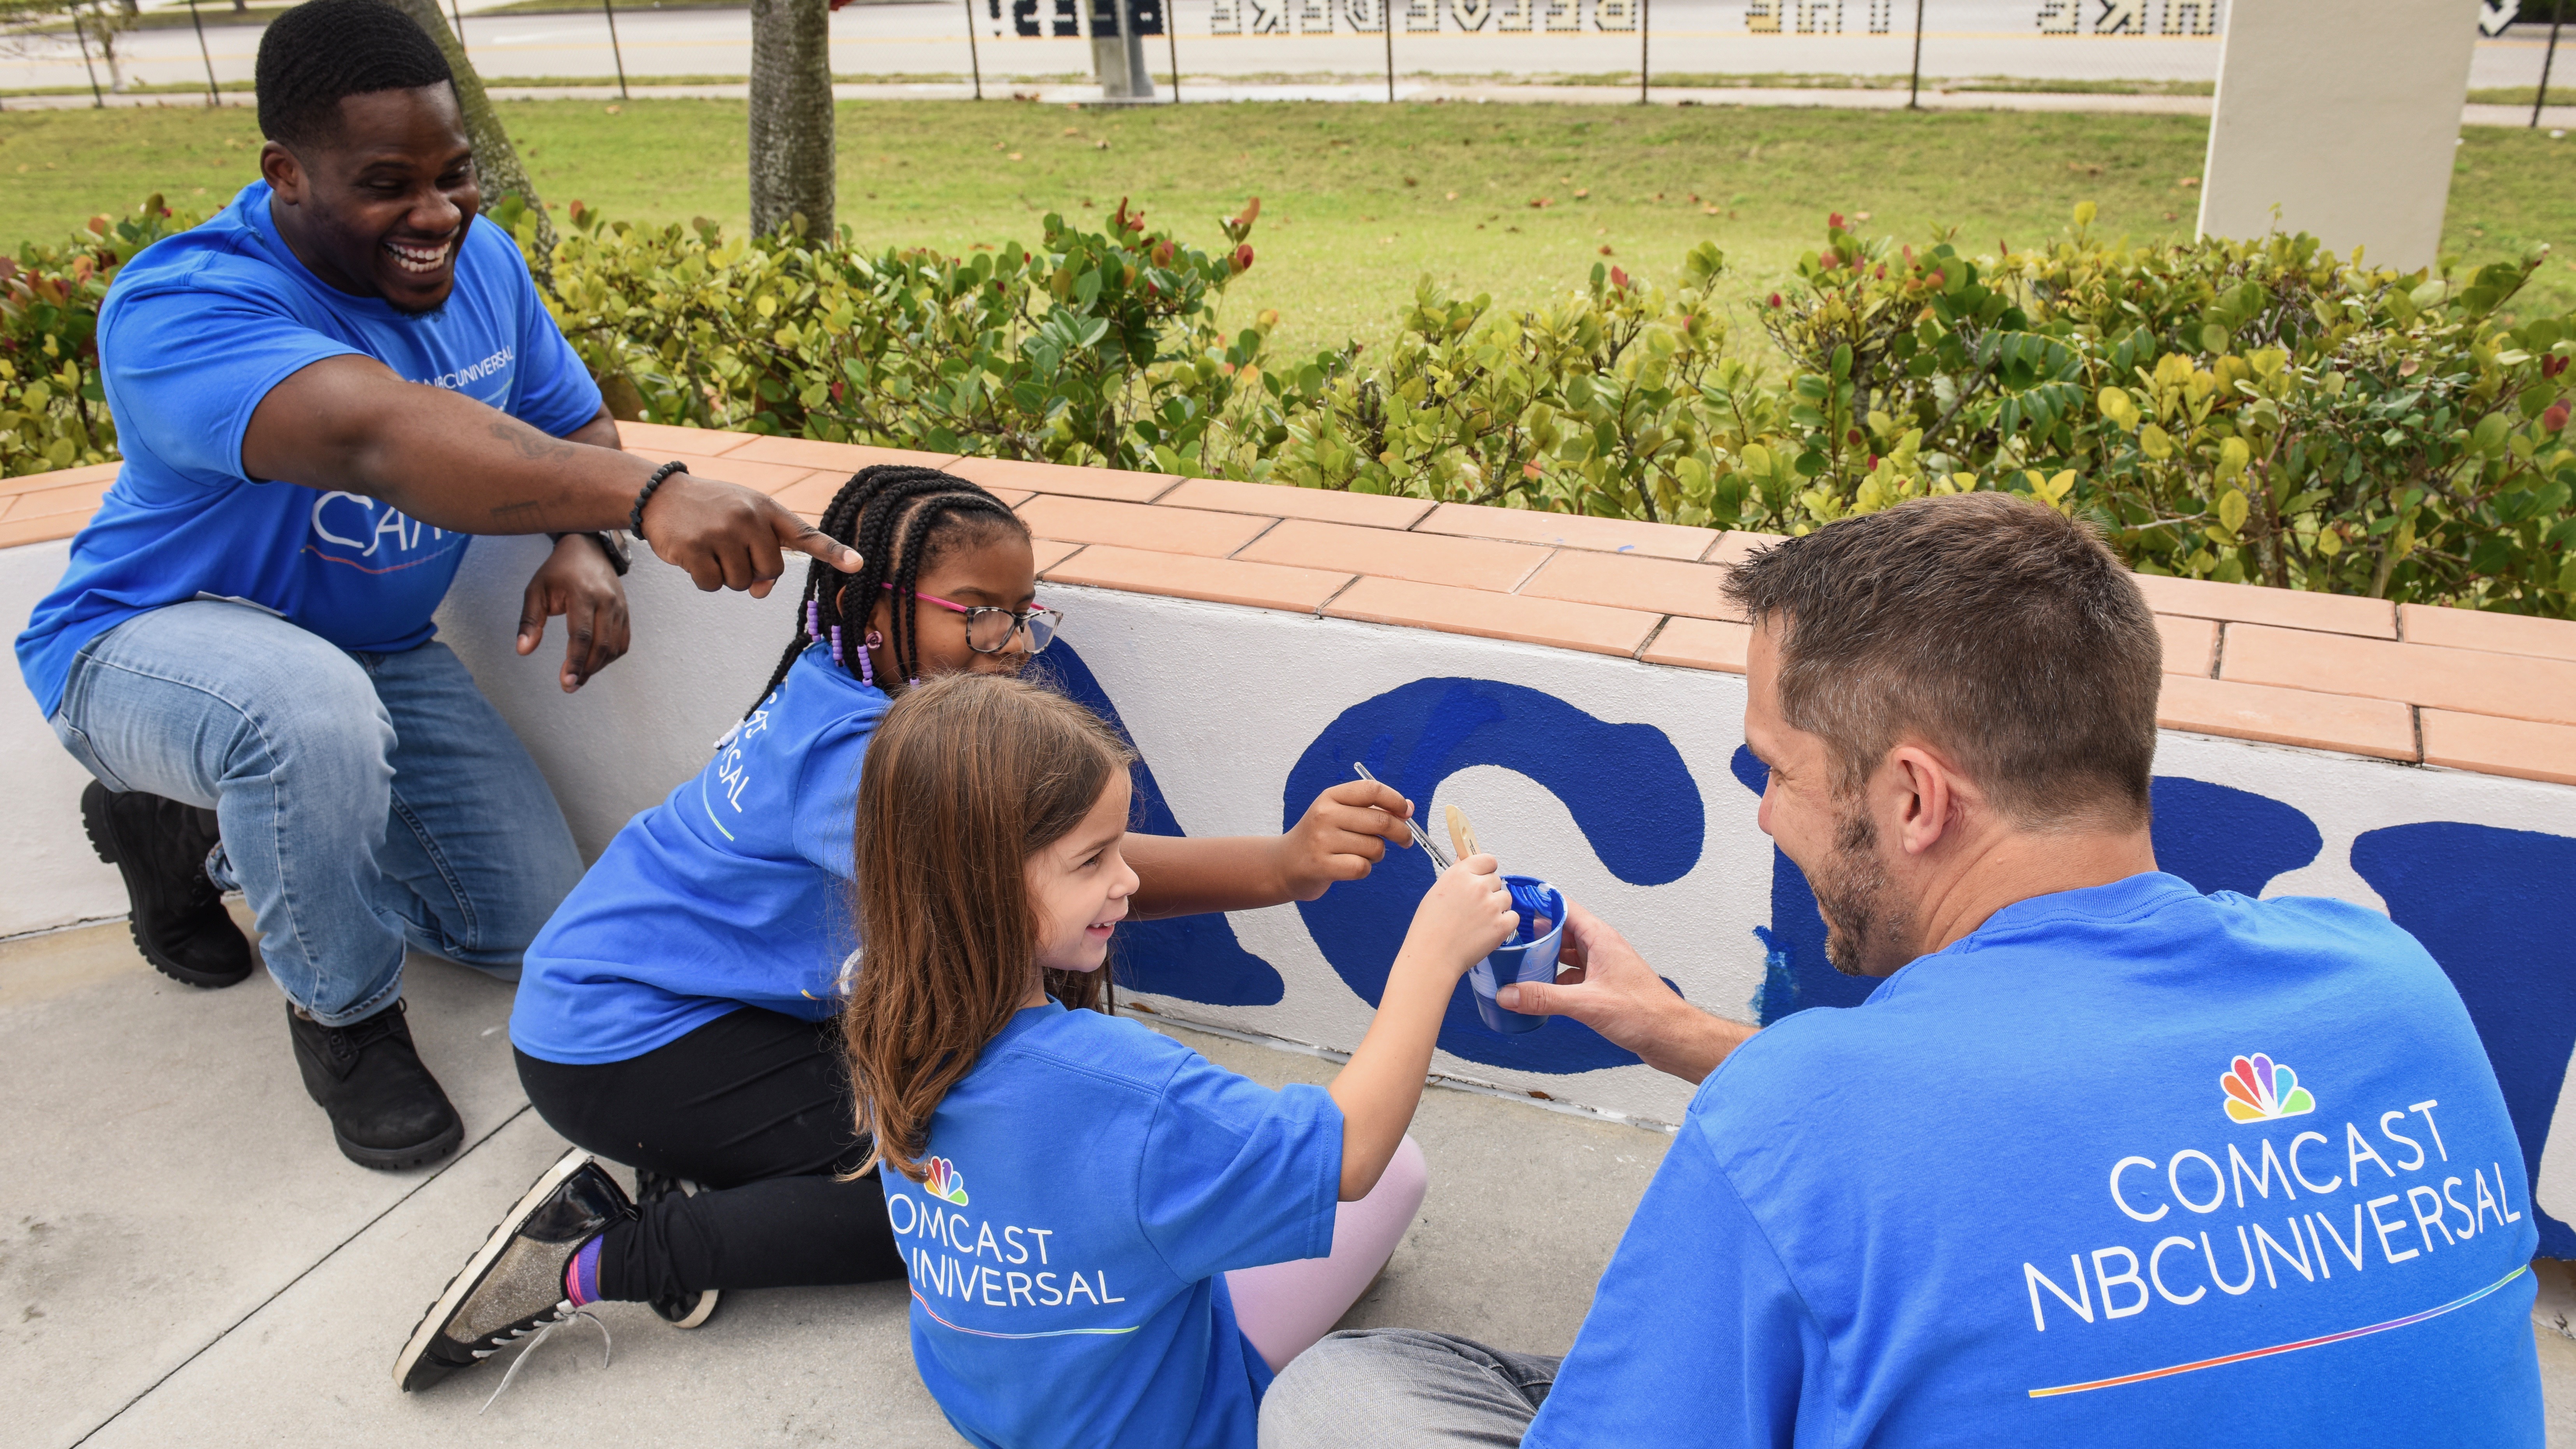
{"points": [[368, 801]]}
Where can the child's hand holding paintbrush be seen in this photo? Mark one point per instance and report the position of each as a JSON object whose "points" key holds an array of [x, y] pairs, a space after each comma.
{"points": [[1528, 898]]}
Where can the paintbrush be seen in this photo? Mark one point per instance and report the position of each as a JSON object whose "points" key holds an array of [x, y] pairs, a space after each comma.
{"points": [[1438, 860], [1530, 898]]}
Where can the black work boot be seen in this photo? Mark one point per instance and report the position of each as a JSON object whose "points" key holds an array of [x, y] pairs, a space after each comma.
{"points": [[386, 1109], [160, 847]]}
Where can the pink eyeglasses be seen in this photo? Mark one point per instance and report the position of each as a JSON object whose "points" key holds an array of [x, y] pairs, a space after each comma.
{"points": [[989, 628]]}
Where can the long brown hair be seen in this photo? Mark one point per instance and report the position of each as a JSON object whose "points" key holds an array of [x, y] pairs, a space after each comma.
{"points": [[967, 777]]}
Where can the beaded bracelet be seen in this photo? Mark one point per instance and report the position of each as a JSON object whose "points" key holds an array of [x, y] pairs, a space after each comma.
{"points": [[635, 515]]}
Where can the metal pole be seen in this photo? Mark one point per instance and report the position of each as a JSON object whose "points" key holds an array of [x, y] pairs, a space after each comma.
{"points": [[456, 9], [2540, 97], [974, 56], [611, 7], [97, 101], [1172, 44], [1386, 13], [1645, 15], [213, 96], [1914, 86]]}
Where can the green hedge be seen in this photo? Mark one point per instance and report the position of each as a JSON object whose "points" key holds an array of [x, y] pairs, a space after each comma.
{"points": [[2265, 412]]}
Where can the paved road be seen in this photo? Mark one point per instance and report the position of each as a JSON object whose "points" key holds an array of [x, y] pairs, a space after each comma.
{"points": [[2028, 38]]}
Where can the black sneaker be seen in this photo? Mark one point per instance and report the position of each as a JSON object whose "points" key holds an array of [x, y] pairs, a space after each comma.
{"points": [[678, 1310], [386, 1109], [160, 847], [513, 1285]]}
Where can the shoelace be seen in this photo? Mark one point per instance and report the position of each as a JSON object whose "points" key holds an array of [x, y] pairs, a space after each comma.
{"points": [[563, 1315], [346, 1042]]}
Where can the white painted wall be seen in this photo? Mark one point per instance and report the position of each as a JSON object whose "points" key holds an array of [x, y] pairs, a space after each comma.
{"points": [[2344, 115], [1223, 701], [48, 875]]}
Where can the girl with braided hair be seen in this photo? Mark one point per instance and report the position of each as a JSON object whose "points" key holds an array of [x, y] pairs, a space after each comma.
{"points": [[676, 1014]]}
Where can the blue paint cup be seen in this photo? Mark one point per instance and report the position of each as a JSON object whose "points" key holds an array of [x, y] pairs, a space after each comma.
{"points": [[1526, 956]]}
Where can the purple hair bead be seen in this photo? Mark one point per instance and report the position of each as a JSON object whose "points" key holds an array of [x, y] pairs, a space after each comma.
{"points": [[814, 619], [836, 644]]}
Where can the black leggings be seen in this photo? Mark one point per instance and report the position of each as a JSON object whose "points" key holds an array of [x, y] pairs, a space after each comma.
{"points": [[754, 1107]]}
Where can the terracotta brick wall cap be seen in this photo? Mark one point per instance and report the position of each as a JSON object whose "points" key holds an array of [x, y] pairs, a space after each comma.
{"points": [[1192, 576], [1570, 530], [2288, 716], [1589, 627], [2495, 693], [2289, 608], [2525, 749], [2470, 680], [2499, 633]]}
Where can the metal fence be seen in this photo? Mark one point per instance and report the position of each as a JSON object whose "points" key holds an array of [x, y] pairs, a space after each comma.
{"points": [[1142, 49]]}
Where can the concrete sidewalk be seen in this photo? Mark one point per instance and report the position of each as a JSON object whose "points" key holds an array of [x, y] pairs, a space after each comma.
{"points": [[185, 1259]]}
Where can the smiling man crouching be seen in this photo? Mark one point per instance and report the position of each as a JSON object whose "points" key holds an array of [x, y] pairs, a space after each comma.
{"points": [[320, 394]]}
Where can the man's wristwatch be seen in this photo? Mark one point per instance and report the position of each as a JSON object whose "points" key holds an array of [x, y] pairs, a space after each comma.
{"points": [[612, 543]]}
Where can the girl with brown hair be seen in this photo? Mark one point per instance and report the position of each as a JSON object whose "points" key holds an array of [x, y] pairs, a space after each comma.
{"points": [[1077, 1198], [675, 1014]]}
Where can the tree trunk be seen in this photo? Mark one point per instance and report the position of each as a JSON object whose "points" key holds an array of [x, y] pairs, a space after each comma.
{"points": [[792, 166], [496, 161]]}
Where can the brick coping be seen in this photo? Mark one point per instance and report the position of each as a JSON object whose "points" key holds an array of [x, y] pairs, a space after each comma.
{"points": [[2489, 693]]}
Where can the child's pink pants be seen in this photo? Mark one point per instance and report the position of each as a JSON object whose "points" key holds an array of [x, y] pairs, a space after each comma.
{"points": [[1284, 1308]]}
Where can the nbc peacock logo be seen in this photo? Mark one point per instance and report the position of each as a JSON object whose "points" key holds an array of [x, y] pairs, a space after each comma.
{"points": [[943, 1180], [2260, 1089]]}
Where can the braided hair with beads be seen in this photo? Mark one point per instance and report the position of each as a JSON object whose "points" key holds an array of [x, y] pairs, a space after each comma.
{"points": [[901, 519]]}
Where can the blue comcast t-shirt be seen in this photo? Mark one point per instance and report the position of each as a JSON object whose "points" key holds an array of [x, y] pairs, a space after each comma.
{"points": [[2127, 1166], [195, 332], [734, 891], [1090, 1183]]}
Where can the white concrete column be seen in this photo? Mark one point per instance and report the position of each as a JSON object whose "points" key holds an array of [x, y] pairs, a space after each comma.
{"points": [[2344, 115]]}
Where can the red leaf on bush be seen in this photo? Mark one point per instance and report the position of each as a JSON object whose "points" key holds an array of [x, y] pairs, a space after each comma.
{"points": [[8, 268], [2555, 419], [1618, 278], [1243, 257], [1834, 220], [1775, 299]]}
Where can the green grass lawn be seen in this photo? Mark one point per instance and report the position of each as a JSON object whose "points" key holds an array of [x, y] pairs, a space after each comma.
{"points": [[1358, 200]]}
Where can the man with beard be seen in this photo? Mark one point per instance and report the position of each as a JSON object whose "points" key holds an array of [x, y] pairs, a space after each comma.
{"points": [[2102, 1161], [320, 394]]}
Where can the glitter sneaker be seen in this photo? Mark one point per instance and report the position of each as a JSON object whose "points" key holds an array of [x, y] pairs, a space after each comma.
{"points": [[513, 1286]]}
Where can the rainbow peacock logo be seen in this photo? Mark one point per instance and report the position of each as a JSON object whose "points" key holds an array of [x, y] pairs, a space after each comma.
{"points": [[2258, 1090], [945, 1181]]}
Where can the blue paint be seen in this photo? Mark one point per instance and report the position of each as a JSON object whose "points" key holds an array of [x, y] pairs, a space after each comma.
{"points": [[1626, 786], [2495, 908], [1193, 958], [2228, 840], [2212, 836]]}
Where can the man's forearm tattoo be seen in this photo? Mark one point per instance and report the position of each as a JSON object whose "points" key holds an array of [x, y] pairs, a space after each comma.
{"points": [[532, 445]]}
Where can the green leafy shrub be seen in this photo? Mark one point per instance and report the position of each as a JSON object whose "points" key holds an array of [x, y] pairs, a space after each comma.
{"points": [[52, 412], [2261, 411], [1097, 348]]}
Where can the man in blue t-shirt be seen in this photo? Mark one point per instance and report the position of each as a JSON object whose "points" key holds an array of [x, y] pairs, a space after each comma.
{"points": [[2103, 1161], [321, 394]]}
